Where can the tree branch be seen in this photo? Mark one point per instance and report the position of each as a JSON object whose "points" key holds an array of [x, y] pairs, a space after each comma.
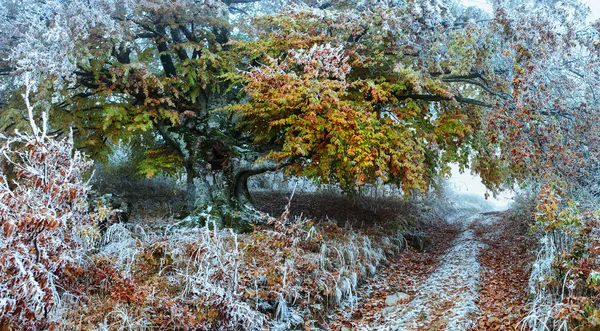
{"points": [[122, 54], [173, 139], [439, 98], [241, 178], [145, 35], [265, 166], [146, 27], [458, 79], [175, 35], [446, 74], [235, 9], [6, 71], [87, 79], [188, 34], [163, 49]]}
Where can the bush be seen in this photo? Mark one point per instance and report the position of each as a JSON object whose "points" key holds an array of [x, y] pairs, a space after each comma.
{"points": [[45, 224], [564, 279]]}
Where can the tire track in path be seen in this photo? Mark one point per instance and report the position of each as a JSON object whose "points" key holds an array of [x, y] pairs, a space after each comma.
{"points": [[442, 295], [447, 300]]}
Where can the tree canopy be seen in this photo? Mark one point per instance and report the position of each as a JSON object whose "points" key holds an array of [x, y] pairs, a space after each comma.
{"points": [[339, 91]]}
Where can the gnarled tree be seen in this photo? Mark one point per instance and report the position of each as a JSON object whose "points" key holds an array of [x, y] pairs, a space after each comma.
{"points": [[118, 68]]}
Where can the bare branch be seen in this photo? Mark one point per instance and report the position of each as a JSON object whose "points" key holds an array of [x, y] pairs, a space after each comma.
{"points": [[458, 79], [34, 126]]}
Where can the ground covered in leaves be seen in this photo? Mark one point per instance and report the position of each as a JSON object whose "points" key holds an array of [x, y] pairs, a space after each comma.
{"points": [[321, 262], [506, 260], [474, 278], [404, 274]]}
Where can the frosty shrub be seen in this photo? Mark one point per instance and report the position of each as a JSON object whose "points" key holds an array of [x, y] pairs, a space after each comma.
{"points": [[45, 223]]}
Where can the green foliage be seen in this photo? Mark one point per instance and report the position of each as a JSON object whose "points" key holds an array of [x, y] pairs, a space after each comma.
{"points": [[336, 93], [159, 161], [351, 94]]}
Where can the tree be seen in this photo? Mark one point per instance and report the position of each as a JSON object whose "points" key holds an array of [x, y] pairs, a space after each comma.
{"points": [[362, 94], [116, 69], [545, 130], [510, 94], [344, 92]]}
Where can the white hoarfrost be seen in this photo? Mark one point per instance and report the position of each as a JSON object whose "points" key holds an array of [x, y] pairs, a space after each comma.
{"points": [[546, 302], [53, 38], [447, 299], [120, 244]]}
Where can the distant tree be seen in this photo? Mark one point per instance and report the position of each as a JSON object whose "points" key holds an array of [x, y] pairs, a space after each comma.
{"points": [[343, 92]]}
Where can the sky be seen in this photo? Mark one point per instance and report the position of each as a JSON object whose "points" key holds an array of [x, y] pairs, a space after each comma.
{"points": [[595, 6], [470, 184]]}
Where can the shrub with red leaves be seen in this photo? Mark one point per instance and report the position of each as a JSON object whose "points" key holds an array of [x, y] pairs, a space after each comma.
{"points": [[45, 224]]}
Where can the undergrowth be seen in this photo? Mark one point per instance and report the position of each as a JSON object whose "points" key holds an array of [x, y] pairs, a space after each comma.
{"points": [[565, 278], [46, 228], [58, 271], [283, 275]]}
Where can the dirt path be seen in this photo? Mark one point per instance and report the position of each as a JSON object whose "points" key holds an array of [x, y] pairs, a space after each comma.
{"points": [[505, 265], [403, 274], [468, 286]]}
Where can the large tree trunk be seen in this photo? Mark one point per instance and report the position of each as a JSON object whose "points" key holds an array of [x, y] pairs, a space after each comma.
{"points": [[217, 177], [223, 193]]}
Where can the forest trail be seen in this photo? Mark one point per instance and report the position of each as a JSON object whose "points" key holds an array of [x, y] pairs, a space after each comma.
{"points": [[477, 282]]}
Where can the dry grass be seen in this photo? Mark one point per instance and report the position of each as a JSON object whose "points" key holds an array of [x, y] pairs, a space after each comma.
{"points": [[287, 274]]}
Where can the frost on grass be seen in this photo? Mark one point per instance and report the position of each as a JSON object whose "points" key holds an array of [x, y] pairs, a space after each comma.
{"points": [[564, 282], [207, 263], [283, 275], [299, 269], [547, 301], [119, 243]]}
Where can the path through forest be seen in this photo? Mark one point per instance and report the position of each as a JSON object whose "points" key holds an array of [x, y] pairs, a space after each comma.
{"points": [[475, 279]]}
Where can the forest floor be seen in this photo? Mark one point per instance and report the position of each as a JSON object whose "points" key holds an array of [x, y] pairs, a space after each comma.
{"points": [[474, 278]]}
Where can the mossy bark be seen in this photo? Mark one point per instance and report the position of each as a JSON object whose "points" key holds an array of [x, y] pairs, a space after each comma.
{"points": [[217, 175], [223, 193]]}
